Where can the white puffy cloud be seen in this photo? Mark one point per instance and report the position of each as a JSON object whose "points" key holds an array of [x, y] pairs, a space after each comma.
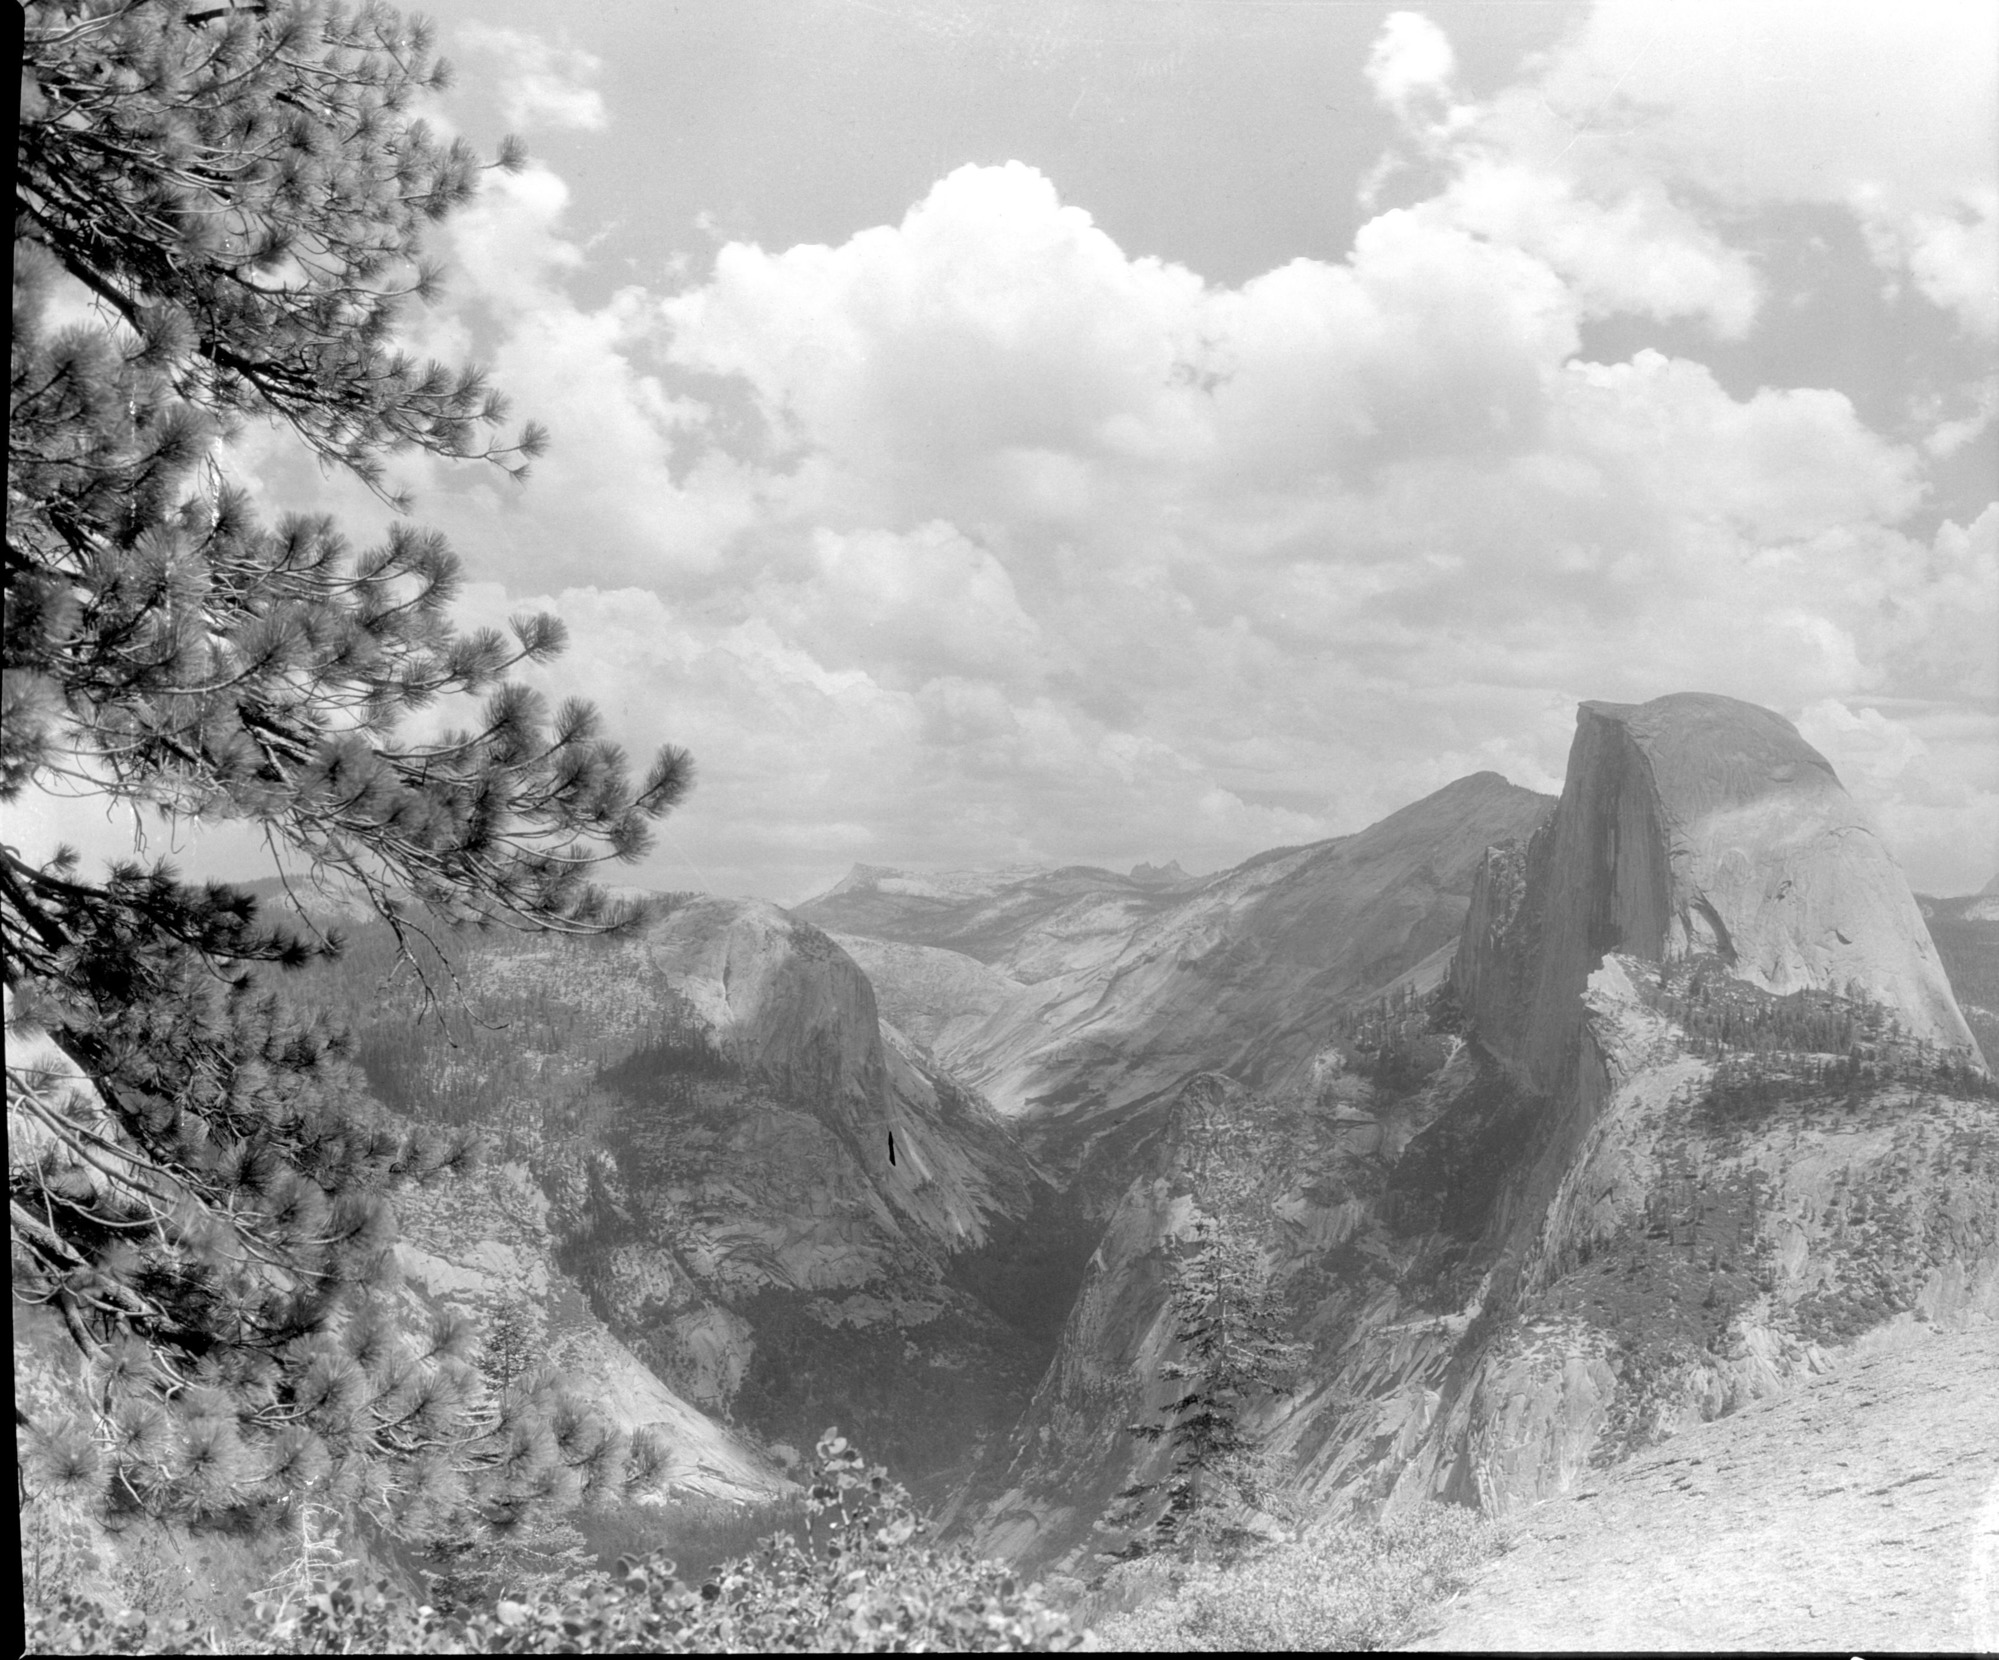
{"points": [[1931, 777], [1412, 63], [976, 538], [1889, 111], [1610, 159], [540, 84], [1952, 256], [614, 498], [1629, 249], [1513, 174], [912, 608], [995, 346], [1046, 551]]}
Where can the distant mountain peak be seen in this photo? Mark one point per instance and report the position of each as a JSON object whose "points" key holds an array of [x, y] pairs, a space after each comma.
{"points": [[950, 885], [1153, 875]]}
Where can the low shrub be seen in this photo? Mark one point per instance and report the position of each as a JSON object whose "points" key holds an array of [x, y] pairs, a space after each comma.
{"points": [[864, 1580], [699, 1532], [1344, 1586]]}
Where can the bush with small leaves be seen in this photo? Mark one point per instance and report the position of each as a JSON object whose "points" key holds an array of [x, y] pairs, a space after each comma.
{"points": [[867, 1579], [698, 1531]]}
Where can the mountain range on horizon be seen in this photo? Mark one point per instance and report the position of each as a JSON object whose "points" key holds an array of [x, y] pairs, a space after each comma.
{"points": [[1559, 1124]]}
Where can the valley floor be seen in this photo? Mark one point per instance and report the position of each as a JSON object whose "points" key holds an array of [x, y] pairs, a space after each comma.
{"points": [[1860, 1513]]}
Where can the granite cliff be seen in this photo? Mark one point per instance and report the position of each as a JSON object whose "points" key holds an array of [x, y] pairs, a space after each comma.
{"points": [[1965, 930], [1695, 1115], [1694, 825]]}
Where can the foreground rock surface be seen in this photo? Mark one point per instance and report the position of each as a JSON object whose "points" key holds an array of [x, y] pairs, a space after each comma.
{"points": [[1860, 1513]]}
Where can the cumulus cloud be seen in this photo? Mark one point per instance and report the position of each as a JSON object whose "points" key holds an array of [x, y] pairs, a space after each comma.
{"points": [[1931, 775], [1054, 552], [1630, 248], [540, 84], [1412, 64], [1515, 172], [978, 538], [988, 347], [1889, 112], [1607, 160]]}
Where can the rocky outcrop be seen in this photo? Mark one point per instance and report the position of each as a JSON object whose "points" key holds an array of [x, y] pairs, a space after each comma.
{"points": [[1503, 1293], [758, 1188], [1858, 1511], [1655, 1105], [1690, 825], [1966, 933], [797, 1018], [482, 1245]]}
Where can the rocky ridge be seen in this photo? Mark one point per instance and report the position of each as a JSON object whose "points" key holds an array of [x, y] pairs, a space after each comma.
{"points": [[1102, 993]]}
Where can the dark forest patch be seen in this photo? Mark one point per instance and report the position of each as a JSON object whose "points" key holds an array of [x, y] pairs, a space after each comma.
{"points": [[1030, 1268], [923, 1399], [1452, 1173]]}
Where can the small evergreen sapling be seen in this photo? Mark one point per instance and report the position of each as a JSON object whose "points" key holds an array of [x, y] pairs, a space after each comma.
{"points": [[1233, 1357], [510, 1343]]}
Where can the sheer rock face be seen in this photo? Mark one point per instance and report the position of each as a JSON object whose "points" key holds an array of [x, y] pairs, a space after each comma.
{"points": [[1966, 934], [1693, 824], [796, 1013]]}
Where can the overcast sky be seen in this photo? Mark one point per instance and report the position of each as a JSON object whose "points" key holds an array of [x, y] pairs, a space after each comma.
{"points": [[998, 432]]}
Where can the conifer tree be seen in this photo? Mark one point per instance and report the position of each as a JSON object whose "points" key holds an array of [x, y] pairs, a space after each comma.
{"points": [[510, 1343], [1233, 1357], [219, 211]]}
